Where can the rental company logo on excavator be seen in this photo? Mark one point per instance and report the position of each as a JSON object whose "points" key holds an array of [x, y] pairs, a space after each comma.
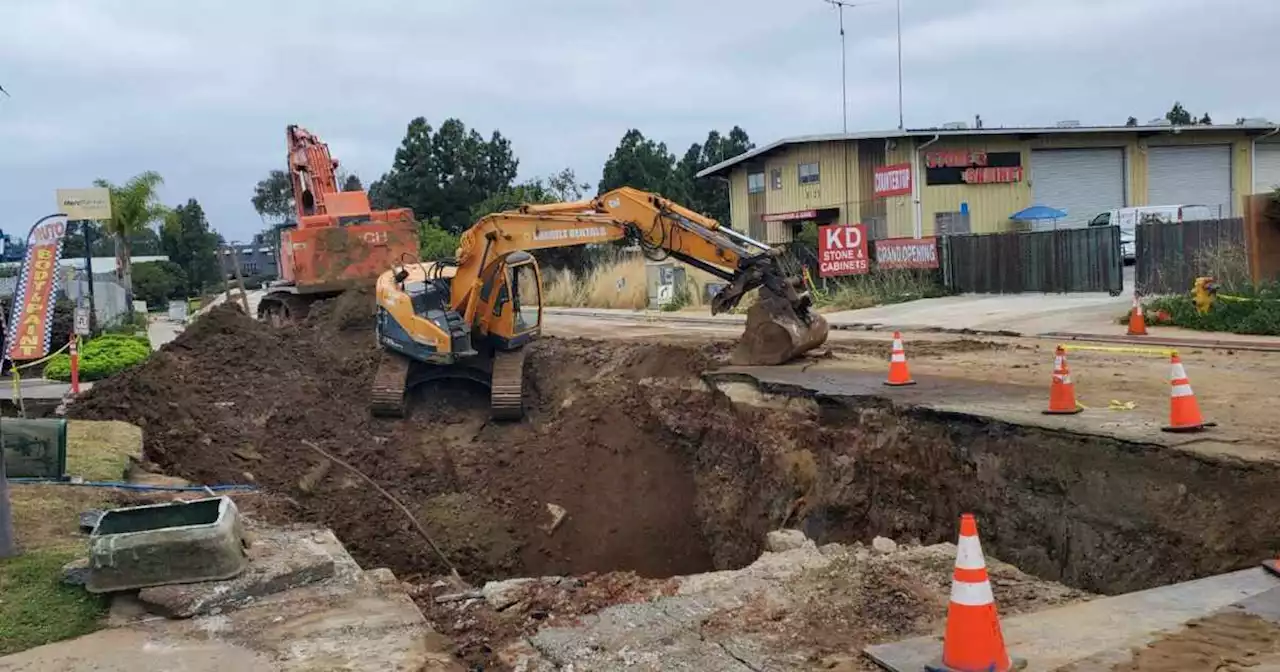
{"points": [[571, 234]]}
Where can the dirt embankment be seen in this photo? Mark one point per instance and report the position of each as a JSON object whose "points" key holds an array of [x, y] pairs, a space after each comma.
{"points": [[233, 400]]}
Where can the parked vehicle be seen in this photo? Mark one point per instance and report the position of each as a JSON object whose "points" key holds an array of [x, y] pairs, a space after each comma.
{"points": [[1129, 218]]}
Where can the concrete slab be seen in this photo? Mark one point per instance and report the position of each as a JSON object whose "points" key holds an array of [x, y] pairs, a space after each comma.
{"points": [[349, 622], [1098, 634], [278, 560]]}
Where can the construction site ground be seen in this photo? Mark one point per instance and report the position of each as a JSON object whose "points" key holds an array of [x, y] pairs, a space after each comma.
{"points": [[663, 472]]}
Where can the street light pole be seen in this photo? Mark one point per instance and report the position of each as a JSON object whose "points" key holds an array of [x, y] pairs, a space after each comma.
{"points": [[901, 126]]}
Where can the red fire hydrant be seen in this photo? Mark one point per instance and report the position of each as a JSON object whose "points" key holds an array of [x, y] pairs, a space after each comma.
{"points": [[75, 365]]}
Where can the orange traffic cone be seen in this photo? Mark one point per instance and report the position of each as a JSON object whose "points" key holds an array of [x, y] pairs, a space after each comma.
{"points": [[1062, 392], [1272, 566], [973, 640], [1137, 321], [1184, 412], [898, 373]]}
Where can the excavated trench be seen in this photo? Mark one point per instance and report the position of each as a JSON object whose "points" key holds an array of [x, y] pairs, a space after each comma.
{"points": [[659, 472]]}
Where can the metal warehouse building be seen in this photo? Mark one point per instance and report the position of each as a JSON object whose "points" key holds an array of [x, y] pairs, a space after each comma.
{"points": [[923, 182]]}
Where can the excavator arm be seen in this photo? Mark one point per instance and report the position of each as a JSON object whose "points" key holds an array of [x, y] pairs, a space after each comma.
{"points": [[779, 326]]}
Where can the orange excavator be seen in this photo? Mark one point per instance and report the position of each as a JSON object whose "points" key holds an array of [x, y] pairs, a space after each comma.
{"points": [[470, 316], [338, 242]]}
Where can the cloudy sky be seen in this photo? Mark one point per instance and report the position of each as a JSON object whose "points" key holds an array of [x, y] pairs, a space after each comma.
{"points": [[201, 90]]}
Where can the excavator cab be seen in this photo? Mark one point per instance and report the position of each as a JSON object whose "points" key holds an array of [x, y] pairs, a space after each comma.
{"points": [[517, 311]]}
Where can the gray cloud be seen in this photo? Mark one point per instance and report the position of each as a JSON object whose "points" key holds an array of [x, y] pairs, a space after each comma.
{"points": [[202, 90]]}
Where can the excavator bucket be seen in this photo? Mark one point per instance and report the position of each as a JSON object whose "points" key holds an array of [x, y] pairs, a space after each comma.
{"points": [[777, 332]]}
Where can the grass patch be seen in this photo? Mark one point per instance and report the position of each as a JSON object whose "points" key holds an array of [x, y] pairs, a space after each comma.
{"points": [[1255, 312], [46, 516], [36, 608], [100, 450], [876, 289], [620, 282]]}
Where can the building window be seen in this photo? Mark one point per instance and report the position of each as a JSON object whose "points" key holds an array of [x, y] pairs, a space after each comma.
{"points": [[755, 183], [775, 179], [250, 268], [809, 173]]}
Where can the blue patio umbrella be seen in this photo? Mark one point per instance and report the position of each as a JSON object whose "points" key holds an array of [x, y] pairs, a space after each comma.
{"points": [[1036, 212]]}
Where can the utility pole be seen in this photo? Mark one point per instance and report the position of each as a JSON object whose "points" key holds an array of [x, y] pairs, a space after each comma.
{"points": [[901, 126], [844, 99]]}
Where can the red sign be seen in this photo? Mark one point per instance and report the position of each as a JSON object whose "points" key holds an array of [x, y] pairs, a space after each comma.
{"points": [[907, 253], [893, 180], [842, 250], [31, 322], [799, 215], [992, 175]]}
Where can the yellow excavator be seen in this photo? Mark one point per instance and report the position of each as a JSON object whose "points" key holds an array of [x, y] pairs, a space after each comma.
{"points": [[471, 316]]}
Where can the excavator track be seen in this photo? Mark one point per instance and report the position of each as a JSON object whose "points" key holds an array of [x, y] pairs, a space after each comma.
{"points": [[506, 392], [387, 397]]}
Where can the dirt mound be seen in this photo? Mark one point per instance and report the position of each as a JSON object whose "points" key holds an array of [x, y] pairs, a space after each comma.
{"points": [[351, 310], [233, 400]]}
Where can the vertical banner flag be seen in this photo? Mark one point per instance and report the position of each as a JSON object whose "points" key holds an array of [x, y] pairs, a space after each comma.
{"points": [[31, 322]]}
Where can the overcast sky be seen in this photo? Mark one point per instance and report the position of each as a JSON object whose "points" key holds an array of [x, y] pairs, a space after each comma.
{"points": [[201, 90]]}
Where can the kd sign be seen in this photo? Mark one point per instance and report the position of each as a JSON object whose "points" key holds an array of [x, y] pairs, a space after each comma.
{"points": [[842, 250]]}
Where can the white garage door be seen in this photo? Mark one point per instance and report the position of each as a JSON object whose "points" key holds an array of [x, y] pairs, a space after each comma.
{"points": [[1083, 182], [1190, 175], [1267, 167]]}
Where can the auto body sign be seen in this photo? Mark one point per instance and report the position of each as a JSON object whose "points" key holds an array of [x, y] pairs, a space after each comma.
{"points": [[31, 324], [907, 253], [842, 250]]}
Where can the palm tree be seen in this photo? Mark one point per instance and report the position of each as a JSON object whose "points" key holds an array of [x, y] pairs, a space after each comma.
{"points": [[135, 205]]}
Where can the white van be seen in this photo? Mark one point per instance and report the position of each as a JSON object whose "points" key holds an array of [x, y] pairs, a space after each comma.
{"points": [[1129, 218]]}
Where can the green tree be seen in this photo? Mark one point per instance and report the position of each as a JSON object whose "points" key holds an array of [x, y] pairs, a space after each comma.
{"points": [[1179, 116], [273, 198], [708, 195], [565, 187], [1132, 121], [1205, 120], [533, 191], [445, 173], [160, 281], [135, 205], [642, 164], [187, 241], [352, 183]]}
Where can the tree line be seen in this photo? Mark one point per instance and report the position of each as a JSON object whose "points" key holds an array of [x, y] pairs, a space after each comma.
{"points": [[452, 175]]}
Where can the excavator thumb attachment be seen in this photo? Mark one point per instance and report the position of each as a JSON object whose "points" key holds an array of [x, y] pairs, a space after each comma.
{"points": [[777, 331]]}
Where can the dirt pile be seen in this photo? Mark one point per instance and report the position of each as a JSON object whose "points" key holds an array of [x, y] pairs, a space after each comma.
{"points": [[233, 400]]}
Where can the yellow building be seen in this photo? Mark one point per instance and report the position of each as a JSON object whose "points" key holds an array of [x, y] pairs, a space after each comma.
{"points": [[925, 182]]}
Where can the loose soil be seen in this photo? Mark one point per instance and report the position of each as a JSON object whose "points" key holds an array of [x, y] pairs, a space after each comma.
{"points": [[658, 474]]}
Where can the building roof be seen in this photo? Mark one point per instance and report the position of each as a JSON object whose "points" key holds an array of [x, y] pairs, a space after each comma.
{"points": [[1255, 126]]}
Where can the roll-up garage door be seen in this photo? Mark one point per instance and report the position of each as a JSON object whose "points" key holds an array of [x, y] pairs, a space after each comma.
{"points": [[1266, 175], [1190, 175], [1083, 182]]}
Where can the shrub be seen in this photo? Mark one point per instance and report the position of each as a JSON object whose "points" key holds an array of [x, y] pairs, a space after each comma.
{"points": [[1247, 310], [434, 242], [101, 357]]}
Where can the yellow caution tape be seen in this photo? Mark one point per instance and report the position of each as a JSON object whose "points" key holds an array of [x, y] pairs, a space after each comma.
{"points": [[1121, 405], [1247, 299], [16, 370], [1163, 352]]}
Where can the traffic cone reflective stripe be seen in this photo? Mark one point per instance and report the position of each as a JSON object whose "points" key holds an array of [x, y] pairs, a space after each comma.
{"points": [[1184, 410], [973, 640], [1137, 321], [899, 374], [1062, 392]]}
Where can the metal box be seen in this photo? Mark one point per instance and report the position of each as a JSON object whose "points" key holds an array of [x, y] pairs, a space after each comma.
{"points": [[179, 542]]}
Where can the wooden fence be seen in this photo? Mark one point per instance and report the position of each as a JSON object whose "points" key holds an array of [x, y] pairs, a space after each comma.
{"points": [[1066, 260], [1172, 255]]}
